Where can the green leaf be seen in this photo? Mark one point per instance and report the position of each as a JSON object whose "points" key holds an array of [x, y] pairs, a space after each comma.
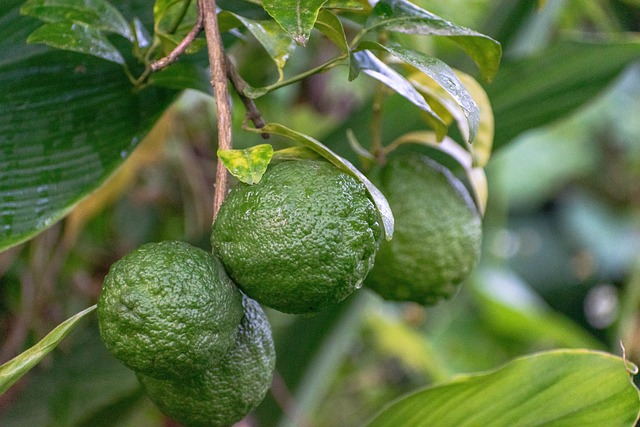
{"points": [[329, 25], [249, 164], [82, 386], [183, 75], [537, 90], [96, 14], [378, 199], [296, 17], [405, 17], [365, 61], [173, 19], [11, 371], [77, 37], [67, 121], [278, 44], [562, 387], [343, 4], [443, 75]]}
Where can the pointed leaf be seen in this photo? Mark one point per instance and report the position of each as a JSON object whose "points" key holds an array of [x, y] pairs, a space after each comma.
{"points": [[296, 17], [405, 17], [483, 143], [173, 19], [563, 387], [278, 44], [249, 164], [329, 25], [96, 14], [67, 121], [366, 62], [76, 37], [376, 196], [14, 369], [443, 75], [438, 99]]}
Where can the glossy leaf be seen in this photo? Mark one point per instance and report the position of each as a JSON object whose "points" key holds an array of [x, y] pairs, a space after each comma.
{"points": [[14, 369], [563, 387], [364, 61], [343, 4], [296, 17], [376, 196], [173, 19], [67, 121], [96, 14], [483, 143], [277, 43], [329, 25], [77, 37], [405, 17], [249, 164], [535, 91], [444, 76], [439, 100]]}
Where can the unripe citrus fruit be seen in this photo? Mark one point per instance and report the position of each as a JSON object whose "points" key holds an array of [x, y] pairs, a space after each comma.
{"points": [[166, 309], [437, 236], [301, 239], [231, 387]]}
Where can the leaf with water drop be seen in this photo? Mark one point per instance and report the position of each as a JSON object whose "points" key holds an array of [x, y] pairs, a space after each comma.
{"points": [[65, 119]]}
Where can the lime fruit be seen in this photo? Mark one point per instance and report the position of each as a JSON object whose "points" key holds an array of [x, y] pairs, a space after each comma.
{"points": [[301, 239], [438, 231], [166, 309], [231, 387]]}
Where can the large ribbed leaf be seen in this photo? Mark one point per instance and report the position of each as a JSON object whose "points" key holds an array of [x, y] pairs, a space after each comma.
{"points": [[559, 388], [67, 121]]}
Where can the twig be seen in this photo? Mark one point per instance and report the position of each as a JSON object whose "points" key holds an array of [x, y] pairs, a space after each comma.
{"points": [[181, 47], [221, 92], [239, 84]]}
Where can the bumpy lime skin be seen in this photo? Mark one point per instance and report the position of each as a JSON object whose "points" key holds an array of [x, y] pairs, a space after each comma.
{"points": [[301, 239], [231, 387], [437, 236], [167, 309]]}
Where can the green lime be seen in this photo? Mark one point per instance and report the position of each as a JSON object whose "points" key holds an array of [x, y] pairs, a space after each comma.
{"points": [[166, 309], [438, 232], [231, 387], [301, 239]]}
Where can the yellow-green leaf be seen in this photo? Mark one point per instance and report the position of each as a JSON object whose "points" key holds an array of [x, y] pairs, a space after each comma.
{"points": [[249, 164], [11, 371]]}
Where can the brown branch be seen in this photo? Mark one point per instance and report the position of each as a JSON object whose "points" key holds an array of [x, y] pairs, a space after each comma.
{"points": [[181, 47], [221, 92], [240, 84]]}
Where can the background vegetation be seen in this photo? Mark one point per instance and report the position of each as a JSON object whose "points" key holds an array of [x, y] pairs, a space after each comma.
{"points": [[560, 267]]}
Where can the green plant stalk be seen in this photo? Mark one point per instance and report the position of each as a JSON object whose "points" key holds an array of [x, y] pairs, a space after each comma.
{"points": [[258, 92]]}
